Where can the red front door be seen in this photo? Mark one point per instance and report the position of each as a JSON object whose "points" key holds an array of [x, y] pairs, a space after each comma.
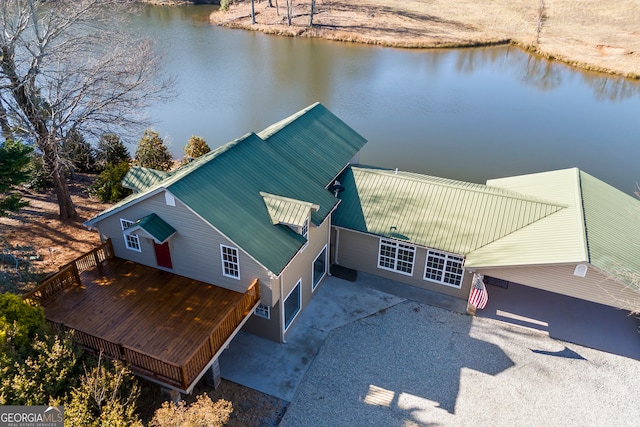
{"points": [[163, 256]]}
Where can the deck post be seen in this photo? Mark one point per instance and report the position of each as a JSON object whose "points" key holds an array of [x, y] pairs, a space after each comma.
{"points": [[97, 260], [212, 376], [171, 394]]}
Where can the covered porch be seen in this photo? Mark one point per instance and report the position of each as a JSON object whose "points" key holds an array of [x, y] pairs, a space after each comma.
{"points": [[168, 328]]}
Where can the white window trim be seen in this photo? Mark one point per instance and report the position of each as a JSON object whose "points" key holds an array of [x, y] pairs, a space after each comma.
{"points": [[304, 230], [125, 224], [263, 311], [389, 242], [222, 260], [314, 284], [443, 271], [284, 314]]}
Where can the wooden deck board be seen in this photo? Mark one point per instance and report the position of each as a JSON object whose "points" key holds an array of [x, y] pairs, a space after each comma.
{"points": [[152, 311]]}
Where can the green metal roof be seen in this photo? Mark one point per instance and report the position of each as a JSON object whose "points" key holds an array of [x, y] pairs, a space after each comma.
{"points": [[559, 238], [155, 226], [139, 178], [612, 220], [284, 210], [600, 225], [439, 213], [296, 159]]}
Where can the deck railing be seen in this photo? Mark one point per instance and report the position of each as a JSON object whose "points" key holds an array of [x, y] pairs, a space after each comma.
{"points": [[221, 333], [168, 372], [69, 274]]}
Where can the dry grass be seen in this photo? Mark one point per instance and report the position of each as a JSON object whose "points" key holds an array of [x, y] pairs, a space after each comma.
{"points": [[54, 241], [591, 34]]}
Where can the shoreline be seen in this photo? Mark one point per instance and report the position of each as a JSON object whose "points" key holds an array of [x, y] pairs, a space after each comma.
{"points": [[582, 41]]}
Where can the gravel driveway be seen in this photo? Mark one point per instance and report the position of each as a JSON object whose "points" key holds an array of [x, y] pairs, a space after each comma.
{"points": [[414, 364]]}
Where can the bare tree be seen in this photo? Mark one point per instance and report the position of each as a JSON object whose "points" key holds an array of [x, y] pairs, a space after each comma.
{"points": [[67, 66], [289, 11], [313, 10], [253, 12]]}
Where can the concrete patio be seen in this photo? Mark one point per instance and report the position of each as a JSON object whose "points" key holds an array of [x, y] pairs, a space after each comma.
{"points": [[339, 305]]}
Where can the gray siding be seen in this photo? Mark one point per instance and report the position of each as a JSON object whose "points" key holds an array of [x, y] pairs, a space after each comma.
{"points": [[594, 287], [195, 248], [301, 266], [359, 251], [266, 328]]}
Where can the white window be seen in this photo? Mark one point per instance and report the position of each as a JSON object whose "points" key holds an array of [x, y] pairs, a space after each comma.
{"points": [[131, 241], [304, 230], [292, 304], [396, 256], [319, 269], [230, 263], [444, 268], [263, 311]]}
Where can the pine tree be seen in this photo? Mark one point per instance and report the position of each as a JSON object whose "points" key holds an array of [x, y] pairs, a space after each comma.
{"points": [[195, 148], [152, 152], [111, 151], [14, 158]]}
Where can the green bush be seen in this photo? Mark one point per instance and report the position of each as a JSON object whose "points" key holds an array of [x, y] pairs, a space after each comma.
{"points": [[107, 396], [39, 175], [19, 322], [108, 186], [47, 370], [202, 412], [224, 5], [153, 153]]}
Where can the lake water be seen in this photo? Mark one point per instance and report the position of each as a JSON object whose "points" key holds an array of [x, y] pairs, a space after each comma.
{"points": [[469, 114]]}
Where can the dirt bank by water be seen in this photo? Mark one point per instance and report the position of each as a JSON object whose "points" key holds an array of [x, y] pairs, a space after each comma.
{"points": [[589, 34]]}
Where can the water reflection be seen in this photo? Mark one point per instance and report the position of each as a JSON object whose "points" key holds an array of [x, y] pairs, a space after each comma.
{"points": [[469, 114], [543, 74]]}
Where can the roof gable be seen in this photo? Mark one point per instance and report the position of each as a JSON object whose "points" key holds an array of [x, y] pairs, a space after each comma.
{"points": [[295, 159], [284, 210], [449, 215], [559, 238]]}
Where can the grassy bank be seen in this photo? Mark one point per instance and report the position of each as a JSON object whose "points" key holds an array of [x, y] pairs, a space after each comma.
{"points": [[590, 34]]}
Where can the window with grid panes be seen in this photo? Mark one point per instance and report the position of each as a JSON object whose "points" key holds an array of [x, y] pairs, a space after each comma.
{"points": [[230, 262], [131, 241], [444, 268], [396, 256]]}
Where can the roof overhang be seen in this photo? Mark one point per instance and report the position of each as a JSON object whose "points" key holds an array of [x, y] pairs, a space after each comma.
{"points": [[153, 226]]}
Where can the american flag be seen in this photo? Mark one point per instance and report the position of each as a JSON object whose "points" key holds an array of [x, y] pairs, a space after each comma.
{"points": [[479, 295]]}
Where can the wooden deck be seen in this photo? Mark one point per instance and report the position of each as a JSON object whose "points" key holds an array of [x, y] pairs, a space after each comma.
{"points": [[167, 327]]}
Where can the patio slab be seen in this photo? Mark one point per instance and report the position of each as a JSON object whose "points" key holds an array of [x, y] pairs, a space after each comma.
{"points": [[277, 369]]}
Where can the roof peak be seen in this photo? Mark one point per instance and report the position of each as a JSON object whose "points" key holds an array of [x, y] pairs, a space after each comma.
{"points": [[278, 126]]}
